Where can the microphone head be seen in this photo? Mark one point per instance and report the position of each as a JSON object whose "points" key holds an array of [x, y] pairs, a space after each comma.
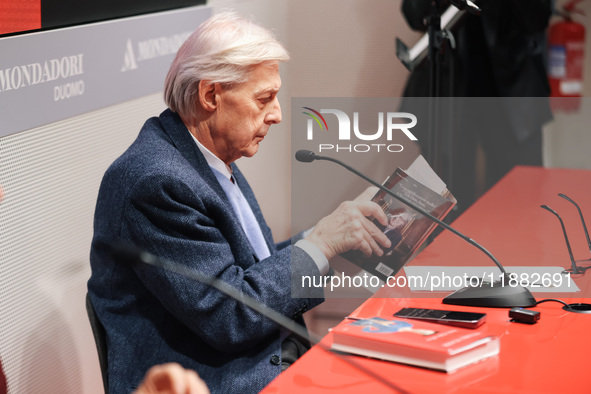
{"points": [[305, 156], [566, 198]]}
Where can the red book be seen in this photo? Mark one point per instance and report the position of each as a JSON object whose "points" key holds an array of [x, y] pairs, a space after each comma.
{"points": [[427, 345]]}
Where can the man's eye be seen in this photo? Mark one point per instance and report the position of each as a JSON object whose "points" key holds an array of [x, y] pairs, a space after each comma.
{"points": [[265, 100]]}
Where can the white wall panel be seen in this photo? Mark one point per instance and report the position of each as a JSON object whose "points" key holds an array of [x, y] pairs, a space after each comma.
{"points": [[51, 176]]}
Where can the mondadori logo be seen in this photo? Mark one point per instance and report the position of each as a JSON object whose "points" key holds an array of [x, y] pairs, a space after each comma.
{"points": [[390, 125], [151, 49], [60, 70]]}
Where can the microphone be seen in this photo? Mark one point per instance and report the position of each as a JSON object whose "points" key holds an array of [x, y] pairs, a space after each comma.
{"points": [[493, 295], [132, 255], [574, 270], [305, 156], [582, 218]]}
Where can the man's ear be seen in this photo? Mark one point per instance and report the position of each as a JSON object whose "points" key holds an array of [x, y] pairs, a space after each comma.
{"points": [[208, 95]]}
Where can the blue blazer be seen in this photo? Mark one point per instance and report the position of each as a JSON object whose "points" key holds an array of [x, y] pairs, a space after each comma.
{"points": [[162, 196]]}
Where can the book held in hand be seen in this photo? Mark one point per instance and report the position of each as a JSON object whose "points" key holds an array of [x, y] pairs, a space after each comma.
{"points": [[407, 229], [422, 344]]}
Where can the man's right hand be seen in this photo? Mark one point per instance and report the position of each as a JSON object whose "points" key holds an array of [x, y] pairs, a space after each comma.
{"points": [[171, 378], [348, 228]]}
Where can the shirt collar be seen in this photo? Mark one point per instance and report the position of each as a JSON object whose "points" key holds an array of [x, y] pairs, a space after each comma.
{"points": [[214, 162]]}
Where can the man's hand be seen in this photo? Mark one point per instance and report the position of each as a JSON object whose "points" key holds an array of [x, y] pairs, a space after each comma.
{"points": [[348, 228], [171, 379]]}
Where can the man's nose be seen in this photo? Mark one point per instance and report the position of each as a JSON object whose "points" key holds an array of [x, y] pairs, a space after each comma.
{"points": [[274, 115]]}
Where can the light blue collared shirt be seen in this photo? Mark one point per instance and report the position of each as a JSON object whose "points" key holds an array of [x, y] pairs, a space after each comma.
{"points": [[222, 169]]}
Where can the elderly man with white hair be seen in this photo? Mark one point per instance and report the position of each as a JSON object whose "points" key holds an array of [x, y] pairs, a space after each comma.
{"points": [[177, 193]]}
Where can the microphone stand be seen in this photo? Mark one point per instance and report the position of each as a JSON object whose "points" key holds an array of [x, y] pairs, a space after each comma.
{"points": [[581, 216], [574, 270], [495, 294], [435, 56], [439, 41]]}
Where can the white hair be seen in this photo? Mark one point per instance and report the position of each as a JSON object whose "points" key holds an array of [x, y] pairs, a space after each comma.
{"points": [[223, 49]]}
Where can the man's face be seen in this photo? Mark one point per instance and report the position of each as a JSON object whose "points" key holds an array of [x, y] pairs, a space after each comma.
{"points": [[395, 221], [245, 112]]}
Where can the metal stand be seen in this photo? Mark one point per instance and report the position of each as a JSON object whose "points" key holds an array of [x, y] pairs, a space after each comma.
{"points": [[436, 43]]}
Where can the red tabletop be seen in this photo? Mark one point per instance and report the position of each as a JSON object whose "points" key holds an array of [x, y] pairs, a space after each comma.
{"points": [[551, 356]]}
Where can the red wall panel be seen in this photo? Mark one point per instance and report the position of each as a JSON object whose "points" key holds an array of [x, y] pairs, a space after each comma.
{"points": [[19, 15]]}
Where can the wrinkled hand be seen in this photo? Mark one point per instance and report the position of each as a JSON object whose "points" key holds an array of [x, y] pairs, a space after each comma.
{"points": [[348, 228], [171, 379]]}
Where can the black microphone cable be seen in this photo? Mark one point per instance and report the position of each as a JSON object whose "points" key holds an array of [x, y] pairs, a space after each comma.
{"points": [[498, 295], [307, 156], [130, 255]]}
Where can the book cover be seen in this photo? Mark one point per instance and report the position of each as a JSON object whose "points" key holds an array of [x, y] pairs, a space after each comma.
{"points": [[406, 341], [407, 229]]}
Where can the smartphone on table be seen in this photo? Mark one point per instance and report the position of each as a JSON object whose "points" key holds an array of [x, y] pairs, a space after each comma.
{"points": [[450, 318]]}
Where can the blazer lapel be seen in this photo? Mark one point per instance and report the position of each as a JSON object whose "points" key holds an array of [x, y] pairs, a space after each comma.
{"points": [[183, 142]]}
